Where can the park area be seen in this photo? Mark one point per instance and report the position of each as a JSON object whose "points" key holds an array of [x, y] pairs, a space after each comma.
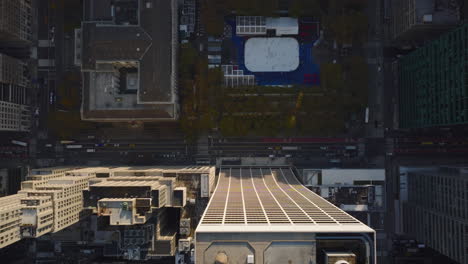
{"points": [[318, 97], [278, 60]]}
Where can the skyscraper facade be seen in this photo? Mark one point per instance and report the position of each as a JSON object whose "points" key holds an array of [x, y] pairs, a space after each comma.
{"points": [[14, 111], [433, 83], [15, 21], [415, 20], [435, 209]]}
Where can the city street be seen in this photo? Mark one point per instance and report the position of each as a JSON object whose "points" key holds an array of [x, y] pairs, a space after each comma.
{"points": [[119, 152]]}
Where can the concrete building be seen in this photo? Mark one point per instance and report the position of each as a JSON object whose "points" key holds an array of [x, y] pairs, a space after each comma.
{"points": [[434, 208], [14, 117], [130, 213], [51, 206], [37, 209], [10, 219], [359, 192], [135, 78], [353, 190], [141, 208], [12, 71], [418, 20], [15, 114], [15, 21], [433, 84], [265, 215]]}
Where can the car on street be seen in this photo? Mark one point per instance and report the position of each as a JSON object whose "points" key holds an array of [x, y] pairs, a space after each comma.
{"points": [[52, 97]]}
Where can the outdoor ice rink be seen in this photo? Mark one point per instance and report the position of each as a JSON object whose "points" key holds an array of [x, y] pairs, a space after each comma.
{"points": [[271, 54]]}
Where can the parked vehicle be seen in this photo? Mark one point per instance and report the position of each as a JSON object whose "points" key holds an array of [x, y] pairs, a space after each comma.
{"points": [[74, 146], [290, 147], [19, 143]]}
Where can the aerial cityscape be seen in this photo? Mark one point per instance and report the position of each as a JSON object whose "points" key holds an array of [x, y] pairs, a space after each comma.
{"points": [[234, 131]]}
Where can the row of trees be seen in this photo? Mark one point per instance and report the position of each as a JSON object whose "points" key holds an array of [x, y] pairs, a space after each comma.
{"points": [[65, 121], [259, 110]]}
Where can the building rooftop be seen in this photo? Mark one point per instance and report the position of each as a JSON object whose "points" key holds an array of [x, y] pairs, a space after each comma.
{"points": [[128, 61], [152, 184], [437, 12], [7, 202], [178, 169], [271, 200]]}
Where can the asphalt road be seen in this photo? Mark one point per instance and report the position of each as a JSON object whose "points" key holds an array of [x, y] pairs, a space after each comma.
{"points": [[119, 152], [316, 151]]}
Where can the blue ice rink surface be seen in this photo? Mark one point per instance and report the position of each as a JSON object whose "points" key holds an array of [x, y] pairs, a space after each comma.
{"points": [[308, 72]]}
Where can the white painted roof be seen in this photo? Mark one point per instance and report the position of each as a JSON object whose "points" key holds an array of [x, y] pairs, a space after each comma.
{"points": [[271, 200], [332, 176], [283, 25], [271, 54]]}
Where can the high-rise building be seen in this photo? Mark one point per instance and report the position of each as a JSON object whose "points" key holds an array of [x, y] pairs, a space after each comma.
{"points": [[265, 215], [10, 219], [358, 192], [15, 114], [15, 21], [52, 206], [135, 212], [255, 215], [434, 204], [416, 20], [433, 83], [135, 78]]}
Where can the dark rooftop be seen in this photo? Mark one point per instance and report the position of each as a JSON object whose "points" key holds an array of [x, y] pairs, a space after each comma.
{"points": [[110, 43], [97, 10], [149, 43]]}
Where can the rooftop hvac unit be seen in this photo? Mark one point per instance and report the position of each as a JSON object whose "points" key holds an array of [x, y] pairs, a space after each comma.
{"points": [[185, 231], [184, 244], [185, 222], [184, 226], [205, 185]]}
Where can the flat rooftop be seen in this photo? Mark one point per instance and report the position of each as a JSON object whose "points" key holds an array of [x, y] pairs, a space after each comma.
{"points": [[253, 199], [146, 48], [271, 54]]}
